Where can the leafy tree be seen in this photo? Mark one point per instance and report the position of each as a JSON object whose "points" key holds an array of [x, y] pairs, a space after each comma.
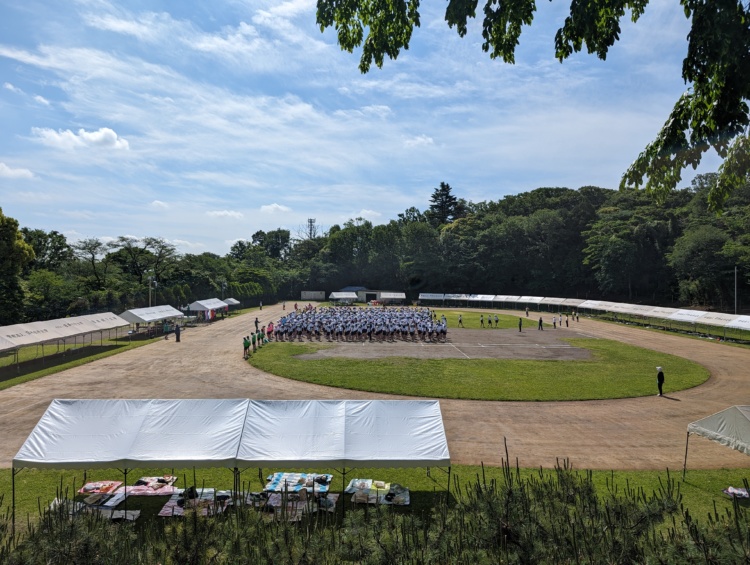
{"points": [[713, 113], [48, 295], [700, 266], [15, 254], [51, 250]]}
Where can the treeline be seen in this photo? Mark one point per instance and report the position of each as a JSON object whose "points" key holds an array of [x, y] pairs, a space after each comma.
{"points": [[586, 243]]}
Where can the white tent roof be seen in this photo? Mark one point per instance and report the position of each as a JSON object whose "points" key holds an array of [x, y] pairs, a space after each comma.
{"points": [[236, 432], [717, 319], [741, 322], [343, 296], [207, 304], [430, 296], [574, 301], [505, 298], [393, 296], [232, 301], [730, 427], [551, 300], [661, 312], [51, 330], [153, 314], [531, 299], [480, 297], [687, 315], [456, 296]]}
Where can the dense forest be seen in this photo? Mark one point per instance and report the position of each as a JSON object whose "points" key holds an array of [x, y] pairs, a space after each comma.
{"points": [[586, 243]]}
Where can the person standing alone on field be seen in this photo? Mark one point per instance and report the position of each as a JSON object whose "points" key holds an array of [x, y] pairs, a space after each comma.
{"points": [[660, 380], [460, 321], [481, 320], [520, 324], [540, 324]]}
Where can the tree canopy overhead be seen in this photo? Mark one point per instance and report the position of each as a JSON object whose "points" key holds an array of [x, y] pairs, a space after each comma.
{"points": [[712, 113]]}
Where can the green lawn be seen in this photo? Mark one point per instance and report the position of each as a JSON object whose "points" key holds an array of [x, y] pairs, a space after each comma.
{"points": [[614, 371]]}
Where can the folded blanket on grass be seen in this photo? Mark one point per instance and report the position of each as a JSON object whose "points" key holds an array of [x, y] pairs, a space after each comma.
{"points": [[99, 487]]}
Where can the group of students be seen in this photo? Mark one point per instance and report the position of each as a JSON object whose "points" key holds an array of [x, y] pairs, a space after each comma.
{"points": [[361, 324], [256, 339]]}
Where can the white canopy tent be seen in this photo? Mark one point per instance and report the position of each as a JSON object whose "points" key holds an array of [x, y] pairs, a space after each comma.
{"points": [[343, 296], [235, 433], [153, 314], [431, 296], [207, 304], [392, 296], [730, 427], [232, 301], [48, 331]]}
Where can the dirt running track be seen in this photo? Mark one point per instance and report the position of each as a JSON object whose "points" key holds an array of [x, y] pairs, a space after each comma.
{"points": [[641, 433]]}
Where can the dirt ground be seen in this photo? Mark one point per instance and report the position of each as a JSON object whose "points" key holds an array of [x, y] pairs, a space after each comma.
{"points": [[640, 433]]}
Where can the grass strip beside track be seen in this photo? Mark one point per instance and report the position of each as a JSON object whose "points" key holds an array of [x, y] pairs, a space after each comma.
{"points": [[615, 370]]}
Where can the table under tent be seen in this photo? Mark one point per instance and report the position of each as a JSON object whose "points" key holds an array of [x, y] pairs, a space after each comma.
{"points": [[237, 434]]}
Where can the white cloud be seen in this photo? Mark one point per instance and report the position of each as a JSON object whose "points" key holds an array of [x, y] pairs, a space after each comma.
{"points": [[274, 208], [8, 173], [368, 214], [9, 86], [225, 214], [188, 244], [159, 204], [41, 100], [65, 139], [418, 141]]}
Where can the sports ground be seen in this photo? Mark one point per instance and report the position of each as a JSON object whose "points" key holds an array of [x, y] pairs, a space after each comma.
{"points": [[638, 433]]}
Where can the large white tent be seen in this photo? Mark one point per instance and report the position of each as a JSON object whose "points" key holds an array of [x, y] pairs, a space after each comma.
{"points": [[152, 314], [48, 331], [236, 433], [730, 427], [208, 304]]}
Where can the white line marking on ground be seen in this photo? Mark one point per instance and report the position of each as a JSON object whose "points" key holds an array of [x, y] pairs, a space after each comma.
{"points": [[461, 352]]}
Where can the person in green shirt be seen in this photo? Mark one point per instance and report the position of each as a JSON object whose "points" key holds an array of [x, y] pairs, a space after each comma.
{"points": [[246, 345]]}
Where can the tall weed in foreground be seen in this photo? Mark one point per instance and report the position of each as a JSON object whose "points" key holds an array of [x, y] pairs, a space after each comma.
{"points": [[552, 516]]}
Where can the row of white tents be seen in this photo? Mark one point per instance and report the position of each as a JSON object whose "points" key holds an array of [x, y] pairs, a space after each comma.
{"points": [[62, 330], [716, 319]]}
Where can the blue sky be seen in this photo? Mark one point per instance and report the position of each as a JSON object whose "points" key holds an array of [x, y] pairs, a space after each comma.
{"points": [[204, 122]]}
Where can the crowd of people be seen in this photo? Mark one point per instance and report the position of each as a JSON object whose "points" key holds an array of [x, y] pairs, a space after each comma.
{"points": [[352, 323]]}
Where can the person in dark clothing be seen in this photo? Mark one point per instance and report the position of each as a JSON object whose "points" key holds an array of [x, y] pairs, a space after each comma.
{"points": [[520, 324], [177, 332], [257, 323], [540, 323], [660, 380]]}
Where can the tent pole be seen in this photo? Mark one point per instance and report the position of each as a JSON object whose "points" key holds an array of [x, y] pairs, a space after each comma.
{"points": [[125, 484], [684, 465], [13, 502], [449, 482], [343, 492]]}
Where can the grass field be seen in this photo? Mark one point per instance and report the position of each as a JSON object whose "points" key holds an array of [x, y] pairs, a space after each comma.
{"points": [[615, 371]]}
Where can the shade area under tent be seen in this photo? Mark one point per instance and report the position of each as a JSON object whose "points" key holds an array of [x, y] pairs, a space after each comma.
{"points": [[235, 433], [59, 332], [729, 427]]}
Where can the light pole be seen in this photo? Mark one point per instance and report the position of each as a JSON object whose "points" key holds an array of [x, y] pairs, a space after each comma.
{"points": [[151, 282]]}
